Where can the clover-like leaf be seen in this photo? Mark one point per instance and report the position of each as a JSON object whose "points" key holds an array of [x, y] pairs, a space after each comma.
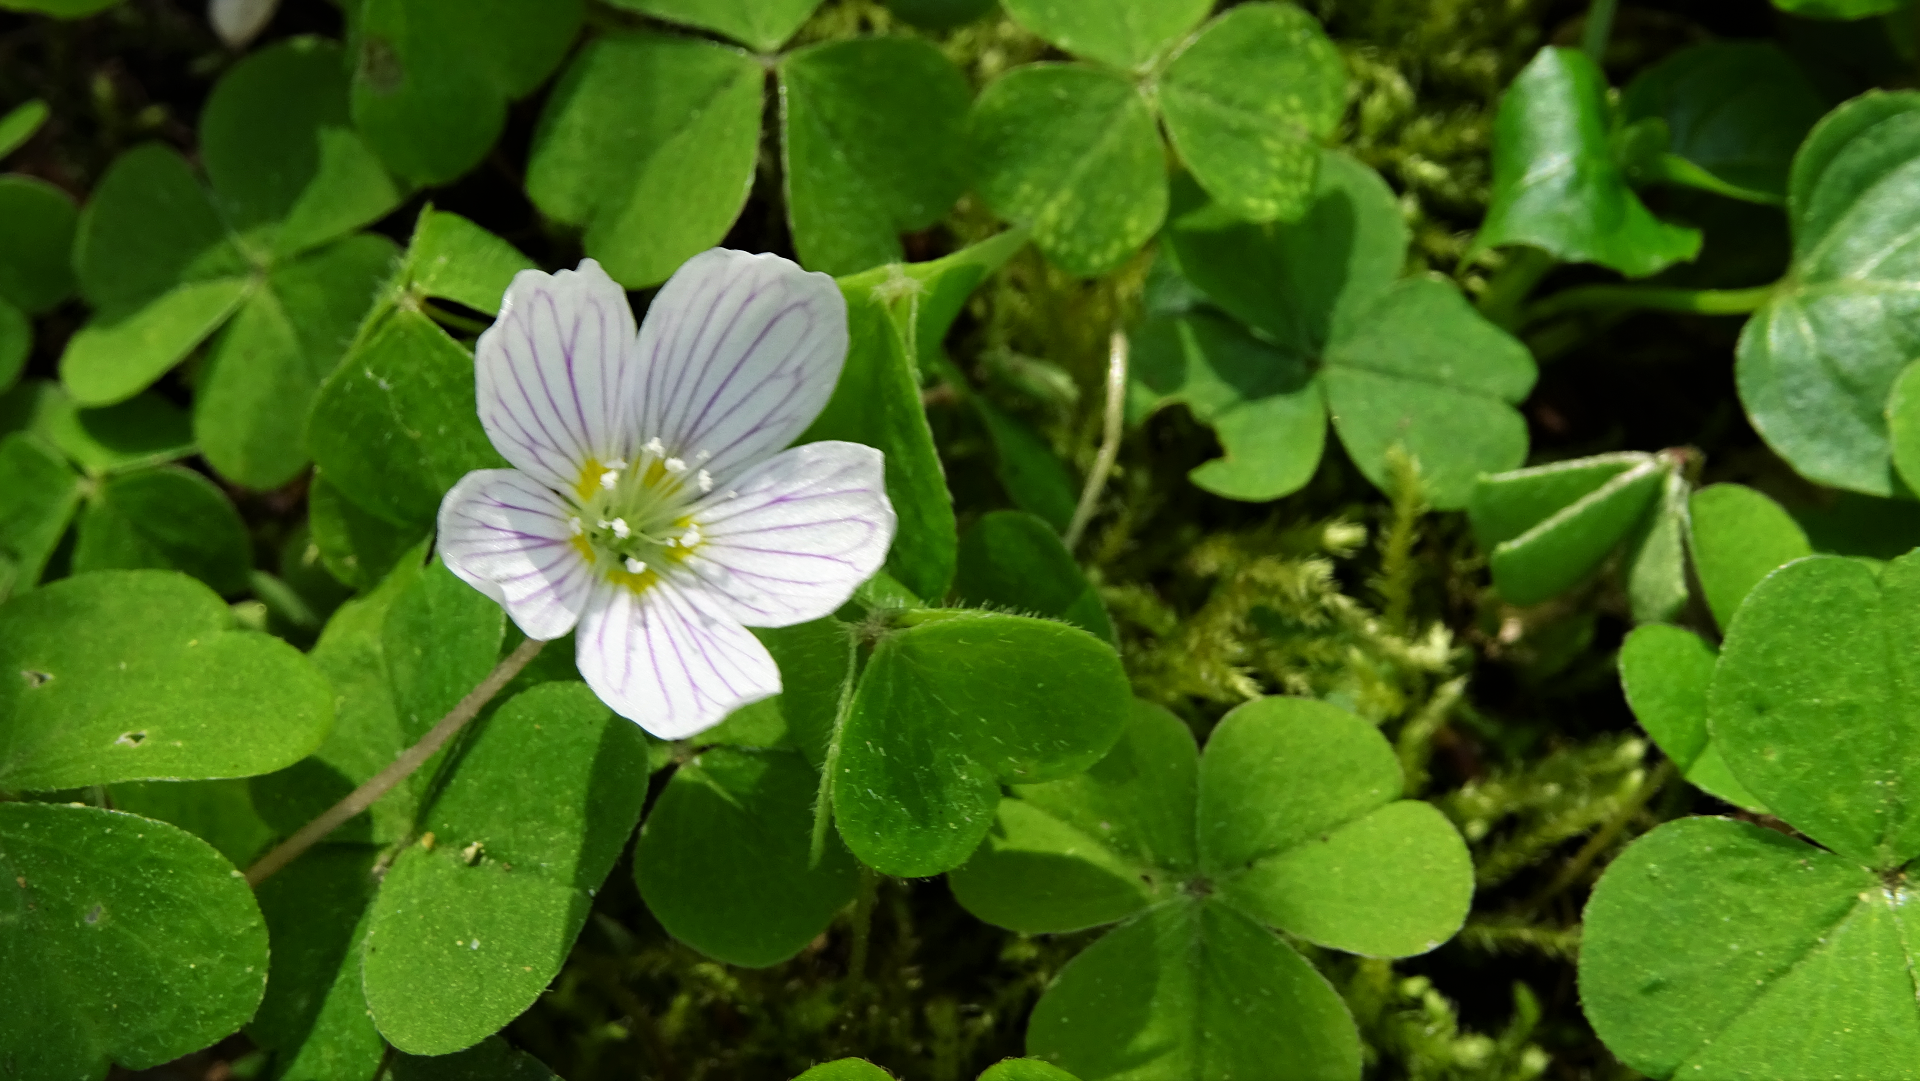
{"points": [[143, 431], [1838, 9], [1734, 112], [491, 1060], [1125, 34], [314, 1015], [134, 675], [1665, 672], [433, 77], [358, 547], [1071, 151], [763, 25], [168, 519], [723, 860], [38, 495], [1817, 363], [1015, 562], [1289, 819], [219, 812], [1715, 948], [1737, 537], [466, 933], [1556, 184], [952, 707], [1245, 102], [649, 143], [19, 123], [37, 223], [103, 909], [1403, 363]]}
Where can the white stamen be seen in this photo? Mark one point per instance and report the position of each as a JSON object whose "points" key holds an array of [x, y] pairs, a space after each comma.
{"points": [[610, 478], [706, 480], [634, 566], [703, 456], [691, 537], [620, 528], [617, 463], [655, 447], [675, 466], [574, 524], [733, 494], [603, 524]]}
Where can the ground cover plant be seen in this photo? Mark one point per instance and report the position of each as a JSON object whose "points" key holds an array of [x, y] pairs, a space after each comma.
{"points": [[1006, 539]]}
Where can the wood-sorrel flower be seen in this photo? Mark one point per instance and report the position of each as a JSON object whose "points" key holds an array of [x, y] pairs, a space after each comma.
{"points": [[650, 500]]}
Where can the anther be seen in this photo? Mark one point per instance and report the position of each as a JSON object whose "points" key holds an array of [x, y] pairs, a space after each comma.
{"points": [[610, 478], [706, 479], [620, 528], [634, 566], [617, 463], [702, 456], [655, 447], [675, 466], [691, 537]]}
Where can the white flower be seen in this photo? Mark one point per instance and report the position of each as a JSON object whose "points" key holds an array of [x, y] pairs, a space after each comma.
{"points": [[738, 354]]}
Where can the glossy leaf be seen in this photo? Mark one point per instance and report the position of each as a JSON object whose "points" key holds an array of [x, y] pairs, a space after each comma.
{"points": [[1665, 672], [167, 519], [464, 935], [1736, 110], [723, 860], [872, 133], [953, 707], [434, 77], [1070, 151], [105, 908], [649, 142], [136, 675], [1721, 949], [1738, 536], [1120, 33], [37, 223], [1015, 562], [1813, 703], [1556, 185], [1247, 100], [1818, 362]]}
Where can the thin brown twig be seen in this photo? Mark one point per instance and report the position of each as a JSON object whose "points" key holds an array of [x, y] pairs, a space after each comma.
{"points": [[399, 769]]}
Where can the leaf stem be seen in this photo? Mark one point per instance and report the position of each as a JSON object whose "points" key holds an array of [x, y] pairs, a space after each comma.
{"points": [[399, 769], [1599, 29], [823, 801], [1508, 289], [1605, 298], [1109, 440]]}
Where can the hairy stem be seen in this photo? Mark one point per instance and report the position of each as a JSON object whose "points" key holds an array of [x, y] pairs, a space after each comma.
{"points": [[1609, 298], [823, 802], [399, 769], [1109, 440]]}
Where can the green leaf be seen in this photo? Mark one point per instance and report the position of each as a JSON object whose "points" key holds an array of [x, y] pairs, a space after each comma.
{"points": [[1193, 991], [846, 1069], [314, 1015], [1087, 850], [38, 495], [1015, 562], [872, 132], [104, 909], [60, 9], [1071, 151], [219, 812], [1025, 1069], [1721, 949], [649, 142], [37, 223], [394, 426], [722, 861], [433, 79], [148, 227], [111, 359], [16, 341], [1245, 102], [465, 935], [1813, 706], [135, 675], [1665, 672], [953, 707], [359, 548], [167, 519], [813, 659], [1034, 476], [1120, 33], [250, 414], [940, 14], [877, 402], [1556, 185], [1301, 827], [145, 430], [763, 25], [925, 298], [19, 124], [439, 639], [1656, 557], [492, 1060], [1552, 526], [288, 172], [1736, 109], [1818, 362], [1838, 9], [1738, 536], [452, 257]]}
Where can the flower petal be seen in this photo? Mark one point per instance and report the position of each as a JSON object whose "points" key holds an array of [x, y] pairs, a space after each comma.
{"points": [[555, 374], [741, 352], [508, 536], [795, 535], [659, 661]]}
